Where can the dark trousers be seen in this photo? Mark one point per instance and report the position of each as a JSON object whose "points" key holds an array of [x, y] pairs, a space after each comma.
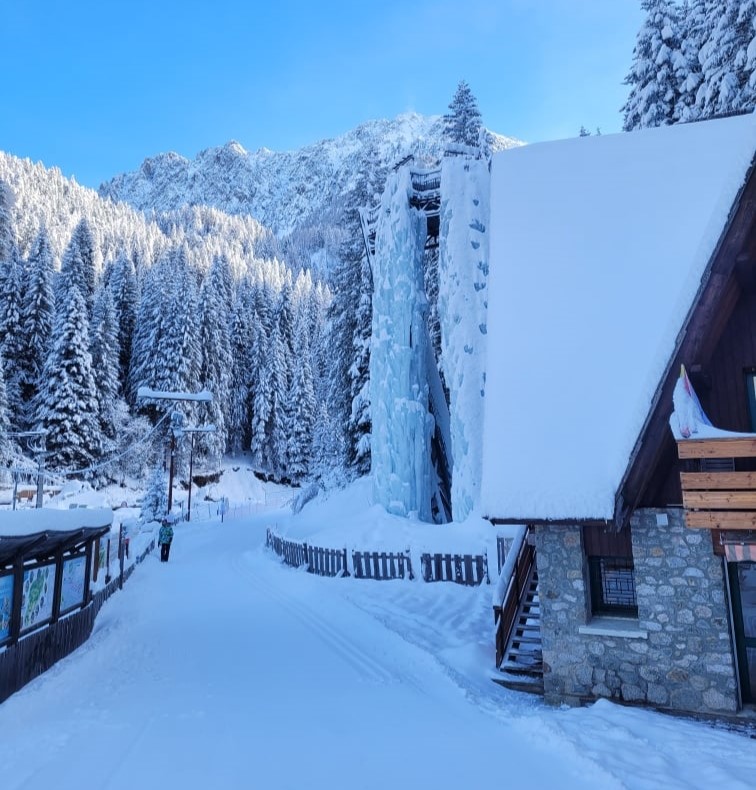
{"points": [[165, 550]]}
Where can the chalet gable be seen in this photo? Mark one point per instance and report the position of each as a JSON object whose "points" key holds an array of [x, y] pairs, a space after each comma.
{"points": [[731, 272], [611, 257]]}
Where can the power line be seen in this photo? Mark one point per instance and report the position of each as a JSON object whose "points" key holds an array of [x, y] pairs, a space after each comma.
{"points": [[112, 459]]}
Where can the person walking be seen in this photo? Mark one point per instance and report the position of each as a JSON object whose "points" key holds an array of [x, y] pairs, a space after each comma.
{"points": [[165, 538]]}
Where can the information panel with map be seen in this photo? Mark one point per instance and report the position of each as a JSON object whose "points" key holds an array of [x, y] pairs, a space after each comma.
{"points": [[37, 599], [72, 583]]}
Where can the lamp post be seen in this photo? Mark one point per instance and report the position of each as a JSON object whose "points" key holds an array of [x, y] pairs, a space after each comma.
{"points": [[149, 394], [192, 431]]}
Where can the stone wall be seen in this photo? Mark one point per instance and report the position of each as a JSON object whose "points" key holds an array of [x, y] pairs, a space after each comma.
{"points": [[677, 655]]}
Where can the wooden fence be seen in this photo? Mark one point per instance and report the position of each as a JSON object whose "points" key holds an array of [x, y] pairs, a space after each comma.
{"points": [[326, 562], [323, 562], [382, 565], [468, 569], [293, 554], [36, 653]]}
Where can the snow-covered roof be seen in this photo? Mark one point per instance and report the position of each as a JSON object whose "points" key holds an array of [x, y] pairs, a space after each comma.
{"points": [[598, 245], [30, 521]]}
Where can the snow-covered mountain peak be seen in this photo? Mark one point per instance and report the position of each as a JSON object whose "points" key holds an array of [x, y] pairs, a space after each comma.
{"points": [[283, 190]]}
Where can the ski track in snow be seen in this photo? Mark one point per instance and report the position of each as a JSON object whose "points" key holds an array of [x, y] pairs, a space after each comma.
{"points": [[358, 659], [225, 668]]}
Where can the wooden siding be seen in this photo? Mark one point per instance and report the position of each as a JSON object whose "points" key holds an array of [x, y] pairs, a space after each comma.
{"points": [[711, 481], [712, 519], [717, 448], [607, 542], [720, 385], [727, 401], [719, 339], [718, 499]]}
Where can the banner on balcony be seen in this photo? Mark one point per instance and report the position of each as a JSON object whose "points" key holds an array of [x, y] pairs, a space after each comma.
{"points": [[688, 417]]}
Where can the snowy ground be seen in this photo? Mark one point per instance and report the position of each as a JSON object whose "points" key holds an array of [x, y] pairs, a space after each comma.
{"points": [[224, 668]]}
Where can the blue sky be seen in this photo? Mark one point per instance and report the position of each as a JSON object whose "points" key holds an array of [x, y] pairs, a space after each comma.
{"points": [[95, 87]]}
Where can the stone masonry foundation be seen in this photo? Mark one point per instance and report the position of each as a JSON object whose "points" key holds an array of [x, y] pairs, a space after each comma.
{"points": [[677, 655]]}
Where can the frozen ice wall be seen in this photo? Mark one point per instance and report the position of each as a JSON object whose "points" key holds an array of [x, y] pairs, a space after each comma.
{"points": [[402, 426], [463, 295]]}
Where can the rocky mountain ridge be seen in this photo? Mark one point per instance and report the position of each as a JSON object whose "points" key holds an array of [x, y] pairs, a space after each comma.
{"points": [[285, 191]]}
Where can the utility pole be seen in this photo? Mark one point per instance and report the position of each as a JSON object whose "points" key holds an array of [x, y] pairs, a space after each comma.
{"points": [[191, 431], [177, 420], [40, 450]]}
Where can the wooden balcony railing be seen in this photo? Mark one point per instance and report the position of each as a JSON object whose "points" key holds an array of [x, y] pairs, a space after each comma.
{"points": [[720, 498]]}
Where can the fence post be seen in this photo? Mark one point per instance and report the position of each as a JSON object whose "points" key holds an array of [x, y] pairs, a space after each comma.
{"points": [[120, 556], [409, 563], [107, 563]]}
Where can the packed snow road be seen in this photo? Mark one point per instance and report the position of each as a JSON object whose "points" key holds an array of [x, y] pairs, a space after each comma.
{"points": [[225, 669]]}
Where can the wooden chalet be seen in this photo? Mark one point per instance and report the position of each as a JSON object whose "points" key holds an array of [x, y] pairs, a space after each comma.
{"points": [[641, 587]]}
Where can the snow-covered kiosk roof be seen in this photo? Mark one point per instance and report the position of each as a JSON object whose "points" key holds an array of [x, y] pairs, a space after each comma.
{"points": [[40, 532], [599, 248]]}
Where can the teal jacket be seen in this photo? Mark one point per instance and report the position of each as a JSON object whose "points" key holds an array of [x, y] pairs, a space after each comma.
{"points": [[166, 534]]}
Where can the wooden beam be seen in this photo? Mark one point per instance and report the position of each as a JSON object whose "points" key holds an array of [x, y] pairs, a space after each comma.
{"points": [[743, 447], [722, 519], [720, 500], [707, 481]]}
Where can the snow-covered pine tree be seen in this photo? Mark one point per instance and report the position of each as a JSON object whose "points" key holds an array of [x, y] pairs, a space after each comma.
{"points": [[463, 124], [344, 369], [302, 400], [262, 407], [243, 347], [67, 406], [747, 20], [359, 419], [5, 444], [10, 302], [215, 368], [177, 356], [37, 314], [7, 236], [652, 77], [155, 500], [104, 344], [281, 406], [338, 338], [123, 285], [693, 20], [745, 57], [722, 75], [78, 263], [11, 340], [153, 305]]}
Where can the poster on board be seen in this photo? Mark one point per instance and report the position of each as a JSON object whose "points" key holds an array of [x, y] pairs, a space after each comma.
{"points": [[72, 583], [6, 605], [37, 597]]}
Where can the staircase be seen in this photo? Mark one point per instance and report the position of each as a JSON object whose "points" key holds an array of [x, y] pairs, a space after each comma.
{"points": [[519, 656], [523, 658]]}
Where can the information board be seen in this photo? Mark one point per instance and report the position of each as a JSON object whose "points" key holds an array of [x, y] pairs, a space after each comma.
{"points": [[72, 583], [37, 598], [6, 605]]}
